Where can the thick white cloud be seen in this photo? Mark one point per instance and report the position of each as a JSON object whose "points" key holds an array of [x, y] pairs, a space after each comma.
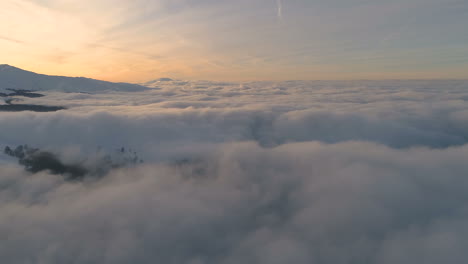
{"points": [[299, 172], [306, 203]]}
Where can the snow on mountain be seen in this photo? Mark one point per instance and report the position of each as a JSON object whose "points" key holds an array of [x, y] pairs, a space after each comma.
{"points": [[15, 78]]}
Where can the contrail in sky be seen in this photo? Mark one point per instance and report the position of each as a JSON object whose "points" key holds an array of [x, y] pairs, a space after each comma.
{"points": [[11, 39], [280, 8]]}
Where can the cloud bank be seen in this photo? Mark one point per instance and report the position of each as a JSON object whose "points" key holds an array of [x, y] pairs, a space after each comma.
{"points": [[263, 172]]}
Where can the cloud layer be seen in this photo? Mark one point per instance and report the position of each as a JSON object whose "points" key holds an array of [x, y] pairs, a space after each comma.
{"points": [[291, 172]]}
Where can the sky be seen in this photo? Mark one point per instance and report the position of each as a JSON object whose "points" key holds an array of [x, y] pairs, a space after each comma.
{"points": [[140, 40]]}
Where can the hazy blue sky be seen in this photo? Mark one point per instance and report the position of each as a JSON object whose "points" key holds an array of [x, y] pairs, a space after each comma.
{"points": [[137, 40]]}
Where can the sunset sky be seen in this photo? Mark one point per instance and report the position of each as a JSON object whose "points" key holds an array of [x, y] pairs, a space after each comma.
{"points": [[140, 40]]}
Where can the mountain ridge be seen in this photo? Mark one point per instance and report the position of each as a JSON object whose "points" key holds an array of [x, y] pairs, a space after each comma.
{"points": [[12, 77]]}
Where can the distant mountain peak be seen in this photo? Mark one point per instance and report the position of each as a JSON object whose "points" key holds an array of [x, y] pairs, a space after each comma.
{"points": [[157, 81], [163, 79]]}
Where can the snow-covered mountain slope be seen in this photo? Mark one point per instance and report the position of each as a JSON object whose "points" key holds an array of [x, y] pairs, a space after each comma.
{"points": [[15, 78]]}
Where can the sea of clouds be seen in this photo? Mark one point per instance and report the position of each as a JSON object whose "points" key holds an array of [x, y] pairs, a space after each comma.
{"points": [[261, 172]]}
